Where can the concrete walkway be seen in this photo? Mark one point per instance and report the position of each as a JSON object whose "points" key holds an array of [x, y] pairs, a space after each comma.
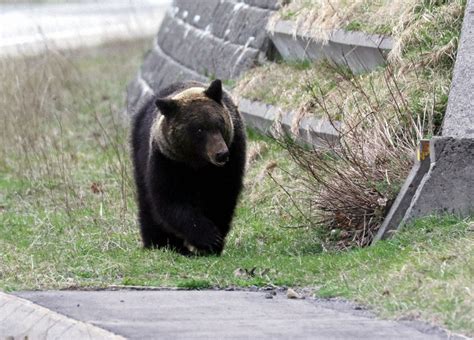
{"points": [[32, 28], [192, 315]]}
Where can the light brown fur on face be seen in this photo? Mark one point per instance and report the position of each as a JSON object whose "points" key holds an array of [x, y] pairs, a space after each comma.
{"points": [[170, 132], [195, 96]]}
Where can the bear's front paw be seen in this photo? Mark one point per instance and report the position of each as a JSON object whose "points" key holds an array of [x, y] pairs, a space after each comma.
{"points": [[206, 240]]}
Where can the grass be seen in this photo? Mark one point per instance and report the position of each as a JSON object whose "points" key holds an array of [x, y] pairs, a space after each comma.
{"points": [[67, 211], [322, 16], [387, 17], [285, 84]]}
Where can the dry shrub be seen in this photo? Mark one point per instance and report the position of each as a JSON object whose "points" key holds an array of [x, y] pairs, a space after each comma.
{"points": [[354, 181], [30, 100]]}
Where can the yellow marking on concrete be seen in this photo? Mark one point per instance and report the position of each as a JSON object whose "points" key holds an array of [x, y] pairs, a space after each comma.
{"points": [[423, 150]]}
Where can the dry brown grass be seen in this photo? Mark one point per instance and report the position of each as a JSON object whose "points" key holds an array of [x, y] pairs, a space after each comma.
{"points": [[319, 17], [427, 34], [405, 20], [52, 108], [354, 181]]}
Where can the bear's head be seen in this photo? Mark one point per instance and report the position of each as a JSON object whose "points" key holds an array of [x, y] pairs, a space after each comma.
{"points": [[194, 127]]}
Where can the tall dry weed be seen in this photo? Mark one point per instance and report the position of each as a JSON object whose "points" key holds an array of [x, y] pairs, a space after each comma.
{"points": [[58, 125]]}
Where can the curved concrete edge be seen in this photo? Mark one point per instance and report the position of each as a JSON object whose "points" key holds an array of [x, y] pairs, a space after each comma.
{"points": [[267, 119], [359, 51], [22, 319]]}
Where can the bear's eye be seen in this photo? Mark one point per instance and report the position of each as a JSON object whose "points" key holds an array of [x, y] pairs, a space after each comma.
{"points": [[199, 130]]}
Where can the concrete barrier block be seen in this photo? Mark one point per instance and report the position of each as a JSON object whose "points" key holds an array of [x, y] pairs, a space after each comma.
{"points": [[448, 186], [222, 17], [267, 4], [134, 93], [202, 52], [152, 69], [202, 39], [268, 119], [245, 28], [197, 13], [359, 51], [159, 71]]}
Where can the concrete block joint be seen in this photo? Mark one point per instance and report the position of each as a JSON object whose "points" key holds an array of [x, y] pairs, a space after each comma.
{"points": [[202, 39]]}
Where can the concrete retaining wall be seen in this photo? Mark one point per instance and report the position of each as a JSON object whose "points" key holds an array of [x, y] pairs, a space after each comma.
{"points": [[199, 40], [359, 51], [268, 118]]}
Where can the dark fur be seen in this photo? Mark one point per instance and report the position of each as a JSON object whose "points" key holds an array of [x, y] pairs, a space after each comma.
{"points": [[182, 201]]}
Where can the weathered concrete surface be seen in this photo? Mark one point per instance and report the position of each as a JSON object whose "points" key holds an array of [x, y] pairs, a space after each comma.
{"points": [[218, 315], [359, 51], [203, 52], [448, 186], [441, 184], [235, 22], [405, 196], [199, 40], [459, 118], [22, 319], [268, 119], [32, 28]]}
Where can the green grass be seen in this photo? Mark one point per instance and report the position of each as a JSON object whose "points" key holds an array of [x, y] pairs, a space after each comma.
{"points": [[288, 84], [67, 211]]}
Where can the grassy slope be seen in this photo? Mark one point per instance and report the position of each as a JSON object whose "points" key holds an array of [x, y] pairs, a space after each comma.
{"points": [[67, 215], [377, 17]]}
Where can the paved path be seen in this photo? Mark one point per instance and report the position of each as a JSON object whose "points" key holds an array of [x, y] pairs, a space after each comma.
{"points": [[205, 315], [32, 28]]}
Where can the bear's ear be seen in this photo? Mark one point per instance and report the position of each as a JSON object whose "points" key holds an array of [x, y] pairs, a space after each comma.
{"points": [[214, 91], [166, 106]]}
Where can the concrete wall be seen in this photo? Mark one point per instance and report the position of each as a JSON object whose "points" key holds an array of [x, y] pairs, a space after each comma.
{"points": [[202, 39]]}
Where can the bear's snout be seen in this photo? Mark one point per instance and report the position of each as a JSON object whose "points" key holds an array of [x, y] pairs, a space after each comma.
{"points": [[222, 156], [217, 150]]}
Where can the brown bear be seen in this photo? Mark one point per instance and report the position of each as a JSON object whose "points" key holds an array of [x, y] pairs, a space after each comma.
{"points": [[188, 152]]}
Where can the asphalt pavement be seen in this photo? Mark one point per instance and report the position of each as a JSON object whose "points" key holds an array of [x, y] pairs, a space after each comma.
{"points": [[32, 28], [211, 314]]}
